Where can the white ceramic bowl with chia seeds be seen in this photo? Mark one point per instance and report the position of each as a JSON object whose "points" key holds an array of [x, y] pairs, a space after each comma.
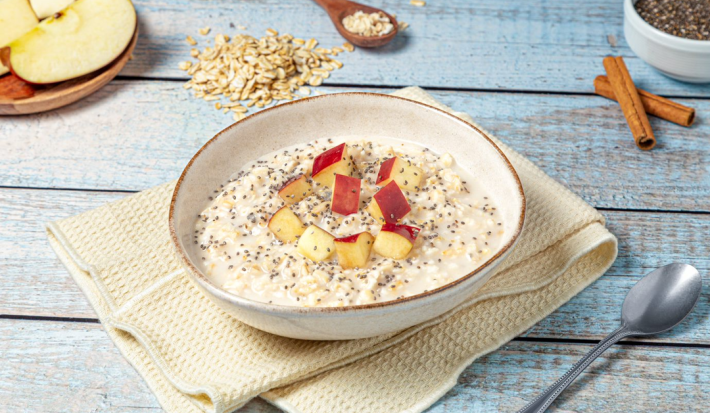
{"points": [[336, 115], [683, 59]]}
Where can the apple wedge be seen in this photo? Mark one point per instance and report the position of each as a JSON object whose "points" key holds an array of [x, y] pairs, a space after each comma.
{"points": [[395, 241], [316, 244], [295, 190], [389, 204], [329, 163], [354, 251], [403, 172], [16, 19], [285, 225], [346, 195], [84, 37], [46, 8]]}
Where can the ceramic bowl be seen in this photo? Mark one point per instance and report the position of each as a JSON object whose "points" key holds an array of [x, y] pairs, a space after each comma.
{"points": [[682, 59], [352, 115]]}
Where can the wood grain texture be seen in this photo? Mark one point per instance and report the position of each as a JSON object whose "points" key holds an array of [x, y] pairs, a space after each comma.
{"points": [[73, 367], [486, 44], [132, 135], [47, 290]]}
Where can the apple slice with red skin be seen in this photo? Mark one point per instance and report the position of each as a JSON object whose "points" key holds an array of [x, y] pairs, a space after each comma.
{"points": [[346, 195], [285, 225], [395, 241], [403, 172], [329, 163], [316, 244], [389, 205], [295, 190], [354, 251]]}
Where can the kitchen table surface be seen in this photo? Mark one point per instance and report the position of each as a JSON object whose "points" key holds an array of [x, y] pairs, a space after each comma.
{"points": [[522, 69]]}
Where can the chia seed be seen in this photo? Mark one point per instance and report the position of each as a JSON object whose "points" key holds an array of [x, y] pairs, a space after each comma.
{"points": [[682, 18]]}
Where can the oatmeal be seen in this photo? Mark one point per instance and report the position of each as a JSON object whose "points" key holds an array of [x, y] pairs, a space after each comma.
{"points": [[346, 223]]}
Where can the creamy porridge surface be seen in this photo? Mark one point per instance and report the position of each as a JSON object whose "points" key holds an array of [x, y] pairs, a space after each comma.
{"points": [[459, 224]]}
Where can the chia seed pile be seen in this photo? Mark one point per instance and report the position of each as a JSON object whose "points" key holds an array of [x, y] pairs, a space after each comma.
{"points": [[683, 18]]}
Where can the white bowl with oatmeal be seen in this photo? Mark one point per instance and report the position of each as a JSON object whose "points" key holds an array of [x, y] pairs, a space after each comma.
{"points": [[345, 216]]}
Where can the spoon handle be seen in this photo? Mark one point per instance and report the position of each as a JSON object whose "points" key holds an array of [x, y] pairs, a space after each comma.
{"points": [[542, 402]]}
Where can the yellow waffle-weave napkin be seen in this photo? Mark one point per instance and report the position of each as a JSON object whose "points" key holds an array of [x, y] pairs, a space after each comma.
{"points": [[195, 358]]}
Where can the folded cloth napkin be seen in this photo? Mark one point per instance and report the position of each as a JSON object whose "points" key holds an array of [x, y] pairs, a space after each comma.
{"points": [[196, 358]]}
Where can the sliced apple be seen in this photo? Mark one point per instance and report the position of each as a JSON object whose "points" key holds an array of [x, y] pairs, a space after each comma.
{"points": [[403, 172], [46, 8], [389, 204], [84, 37], [354, 251], [285, 225], [295, 190], [316, 244], [331, 162], [395, 241], [346, 195], [16, 19]]}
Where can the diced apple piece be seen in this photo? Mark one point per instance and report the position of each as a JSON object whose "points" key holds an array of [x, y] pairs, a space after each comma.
{"points": [[395, 241], [16, 19], [46, 8], [295, 190], [346, 195], [389, 204], [84, 37], [403, 172], [316, 244], [285, 225], [354, 251], [330, 163]]}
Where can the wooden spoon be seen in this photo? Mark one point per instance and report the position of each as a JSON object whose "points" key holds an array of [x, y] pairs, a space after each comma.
{"points": [[338, 9]]}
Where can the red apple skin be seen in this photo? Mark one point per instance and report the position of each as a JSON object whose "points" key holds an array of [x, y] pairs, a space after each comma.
{"points": [[386, 170], [392, 203], [408, 232], [328, 158], [350, 239], [346, 195]]}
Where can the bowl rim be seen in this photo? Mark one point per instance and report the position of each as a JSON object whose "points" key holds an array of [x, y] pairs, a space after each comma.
{"points": [[285, 310], [673, 41]]}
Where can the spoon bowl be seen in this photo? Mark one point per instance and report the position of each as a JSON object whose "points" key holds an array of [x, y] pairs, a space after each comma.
{"points": [[661, 299], [657, 303], [339, 9]]}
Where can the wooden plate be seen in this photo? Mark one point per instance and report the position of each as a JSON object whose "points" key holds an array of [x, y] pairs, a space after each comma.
{"points": [[64, 93]]}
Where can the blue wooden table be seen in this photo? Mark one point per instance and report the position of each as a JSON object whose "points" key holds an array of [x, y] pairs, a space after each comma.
{"points": [[522, 69]]}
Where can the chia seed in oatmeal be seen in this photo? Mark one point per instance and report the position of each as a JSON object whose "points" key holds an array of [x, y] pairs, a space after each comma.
{"points": [[416, 222]]}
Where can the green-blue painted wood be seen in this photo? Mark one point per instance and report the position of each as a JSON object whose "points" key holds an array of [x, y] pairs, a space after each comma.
{"points": [[73, 367], [34, 283], [533, 45], [133, 135]]}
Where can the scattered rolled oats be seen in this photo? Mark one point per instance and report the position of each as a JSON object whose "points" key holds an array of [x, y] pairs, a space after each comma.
{"points": [[370, 25], [402, 26], [191, 40], [260, 71], [418, 3], [347, 46], [204, 31]]}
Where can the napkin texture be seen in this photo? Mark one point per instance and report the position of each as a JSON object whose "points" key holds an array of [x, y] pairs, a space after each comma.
{"points": [[196, 358]]}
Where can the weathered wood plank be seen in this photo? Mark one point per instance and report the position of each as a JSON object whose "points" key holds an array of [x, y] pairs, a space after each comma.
{"points": [[70, 367], [488, 44], [132, 135], [35, 283]]}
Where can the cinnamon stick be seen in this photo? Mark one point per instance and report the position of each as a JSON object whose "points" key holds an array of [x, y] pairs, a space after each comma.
{"points": [[653, 104], [630, 102]]}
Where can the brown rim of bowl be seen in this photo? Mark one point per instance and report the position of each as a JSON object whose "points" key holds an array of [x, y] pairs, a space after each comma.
{"points": [[283, 309]]}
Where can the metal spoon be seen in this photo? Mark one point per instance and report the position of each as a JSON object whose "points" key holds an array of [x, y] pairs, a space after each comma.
{"points": [[338, 9], [657, 303]]}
